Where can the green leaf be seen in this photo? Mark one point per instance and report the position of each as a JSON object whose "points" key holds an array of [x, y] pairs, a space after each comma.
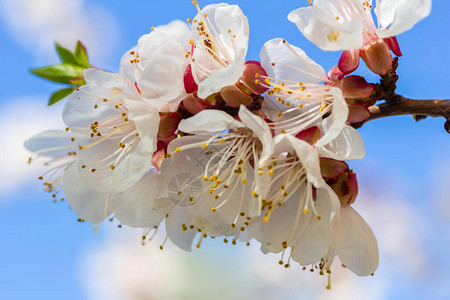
{"points": [[60, 94], [81, 55], [62, 73], [65, 54]]}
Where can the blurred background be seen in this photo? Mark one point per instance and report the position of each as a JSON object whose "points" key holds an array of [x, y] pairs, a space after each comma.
{"points": [[46, 254]]}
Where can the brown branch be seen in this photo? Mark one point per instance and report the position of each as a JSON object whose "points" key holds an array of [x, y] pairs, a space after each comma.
{"points": [[420, 109]]}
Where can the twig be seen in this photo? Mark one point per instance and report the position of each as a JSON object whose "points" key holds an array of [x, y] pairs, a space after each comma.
{"points": [[405, 106]]}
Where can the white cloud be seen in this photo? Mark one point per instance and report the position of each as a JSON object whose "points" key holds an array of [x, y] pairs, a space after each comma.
{"points": [[36, 24], [20, 119], [122, 269]]}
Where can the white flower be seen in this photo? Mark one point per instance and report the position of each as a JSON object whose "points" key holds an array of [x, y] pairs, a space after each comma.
{"points": [[348, 24], [157, 65], [121, 128], [210, 174], [297, 98], [143, 205], [303, 213], [220, 42]]}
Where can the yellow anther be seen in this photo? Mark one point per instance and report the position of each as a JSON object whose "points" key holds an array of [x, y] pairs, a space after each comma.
{"points": [[213, 209], [168, 155], [178, 149], [270, 173], [222, 141], [205, 178], [306, 211], [244, 181], [204, 146], [211, 191], [319, 218]]}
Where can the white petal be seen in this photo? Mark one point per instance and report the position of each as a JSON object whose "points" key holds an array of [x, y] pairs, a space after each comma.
{"points": [[137, 206], [162, 80], [48, 143], [182, 239], [398, 16], [88, 204], [260, 130], [209, 120], [128, 69], [171, 40], [316, 239], [338, 117], [229, 28], [327, 33], [290, 63], [347, 145], [356, 244], [137, 162], [309, 159]]}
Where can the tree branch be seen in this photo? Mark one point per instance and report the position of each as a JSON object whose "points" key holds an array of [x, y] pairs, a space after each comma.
{"points": [[420, 109]]}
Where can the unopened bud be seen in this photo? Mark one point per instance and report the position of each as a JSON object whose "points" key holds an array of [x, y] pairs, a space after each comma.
{"points": [[377, 57]]}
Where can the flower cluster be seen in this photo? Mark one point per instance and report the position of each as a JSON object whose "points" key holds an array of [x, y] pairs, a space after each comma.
{"points": [[191, 133]]}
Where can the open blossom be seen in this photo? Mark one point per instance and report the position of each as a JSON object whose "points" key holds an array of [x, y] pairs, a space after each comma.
{"points": [[219, 46], [304, 214], [214, 170], [298, 98], [348, 25], [121, 130], [143, 205]]}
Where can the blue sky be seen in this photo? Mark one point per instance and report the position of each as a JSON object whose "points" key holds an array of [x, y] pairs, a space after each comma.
{"points": [[43, 250]]}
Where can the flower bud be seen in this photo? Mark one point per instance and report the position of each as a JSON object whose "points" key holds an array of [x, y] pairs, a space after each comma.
{"points": [[377, 57]]}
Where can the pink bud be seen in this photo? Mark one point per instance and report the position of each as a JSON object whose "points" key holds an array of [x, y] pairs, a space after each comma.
{"points": [[309, 135], [252, 79], [355, 87], [349, 61], [234, 97], [357, 112], [189, 83], [377, 57]]}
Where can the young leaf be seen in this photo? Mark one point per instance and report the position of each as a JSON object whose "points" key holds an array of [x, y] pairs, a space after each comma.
{"points": [[62, 73], [65, 54], [60, 94], [81, 55]]}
